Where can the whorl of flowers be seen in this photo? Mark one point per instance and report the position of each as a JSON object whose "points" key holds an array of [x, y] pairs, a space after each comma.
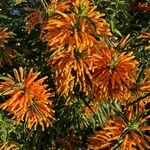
{"points": [[77, 25], [73, 69], [127, 132], [29, 99], [114, 74]]}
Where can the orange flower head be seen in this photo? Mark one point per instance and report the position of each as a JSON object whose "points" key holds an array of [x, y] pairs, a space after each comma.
{"points": [[126, 133], [114, 74], [6, 53], [55, 5], [140, 88], [29, 99], [145, 35], [73, 28], [147, 73], [5, 36], [34, 18], [144, 85], [6, 56], [145, 7], [9, 147], [73, 69]]}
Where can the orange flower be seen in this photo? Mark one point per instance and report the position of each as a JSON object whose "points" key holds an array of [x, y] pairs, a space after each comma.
{"points": [[73, 69], [69, 142], [70, 72], [6, 53], [73, 28], [139, 89], [126, 132], [29, 100], [34, 18], [9, 147], [144, 84], [142, 7], [145, 35], [114, 74], [6, 56], [55, 5], [4, 36]]}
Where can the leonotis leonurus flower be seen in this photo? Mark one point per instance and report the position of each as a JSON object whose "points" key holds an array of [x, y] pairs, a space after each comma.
{"points": [[29, 99], [5, 35], [6, 53], [145, 7], [7, 146], [34, 18], [6, 56], [114, 74], [145, 35], [127, 131], [143, 85], [74, 69], [74, 27], [69, 142]]}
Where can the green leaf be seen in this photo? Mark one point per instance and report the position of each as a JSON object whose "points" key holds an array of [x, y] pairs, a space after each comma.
{"points": [[118, 32], [6, 78]]}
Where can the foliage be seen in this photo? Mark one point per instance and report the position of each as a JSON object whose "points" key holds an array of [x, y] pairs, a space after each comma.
{"points": [[74, 74]]}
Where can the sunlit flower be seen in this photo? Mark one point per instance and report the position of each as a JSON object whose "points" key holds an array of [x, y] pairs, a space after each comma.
{"points": [[70, 72], [56, 5], [29, 99], [9, 147], [73, 69], [73, 28], [126, 132], [114, 74]]}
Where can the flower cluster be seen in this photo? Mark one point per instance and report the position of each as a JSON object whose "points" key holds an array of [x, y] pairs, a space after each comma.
{"points": [[70, 34], [126, 132]]}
